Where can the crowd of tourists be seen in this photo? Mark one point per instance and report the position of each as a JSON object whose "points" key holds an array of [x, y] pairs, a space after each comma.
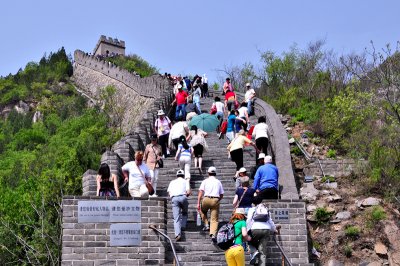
{"points": [[175, 137]]}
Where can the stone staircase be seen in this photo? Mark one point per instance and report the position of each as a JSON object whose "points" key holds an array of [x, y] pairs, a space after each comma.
{"points": [[195, 246]]}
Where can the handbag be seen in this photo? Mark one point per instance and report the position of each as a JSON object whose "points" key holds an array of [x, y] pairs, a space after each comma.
{"points": [[147, 183], [160, 161]]}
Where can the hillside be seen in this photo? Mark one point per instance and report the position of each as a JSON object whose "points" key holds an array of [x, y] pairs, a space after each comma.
{"points": [[48, 138]]}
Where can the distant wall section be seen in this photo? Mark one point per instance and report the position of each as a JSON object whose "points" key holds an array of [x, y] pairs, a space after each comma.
{"points": [[133, 93]]}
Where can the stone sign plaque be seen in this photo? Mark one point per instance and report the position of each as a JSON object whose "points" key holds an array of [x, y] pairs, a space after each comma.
{"points": [[126, 211], [125, 234], [280, 216], [93, 211], [109, 211]]}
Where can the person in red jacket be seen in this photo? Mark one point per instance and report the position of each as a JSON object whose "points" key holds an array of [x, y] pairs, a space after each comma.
{"points": [[180, 100]]}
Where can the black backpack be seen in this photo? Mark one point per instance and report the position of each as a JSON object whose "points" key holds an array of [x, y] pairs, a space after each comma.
{"points": [[226, 236]]}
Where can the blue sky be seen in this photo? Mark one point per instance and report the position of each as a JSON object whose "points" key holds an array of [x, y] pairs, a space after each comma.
{"points": [[192, 37]]}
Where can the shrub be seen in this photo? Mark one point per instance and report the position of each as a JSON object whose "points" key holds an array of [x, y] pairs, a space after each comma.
{"points": [[322, 215], [296, 151], [352, 232], [374, 215], [316, 245], [328, 178], [331, 154], [377, 214], [348, 251]]}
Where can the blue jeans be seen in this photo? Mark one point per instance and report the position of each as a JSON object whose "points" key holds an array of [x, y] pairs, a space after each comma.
{"points": [[180, 108], [179, 212], [249, 107]]}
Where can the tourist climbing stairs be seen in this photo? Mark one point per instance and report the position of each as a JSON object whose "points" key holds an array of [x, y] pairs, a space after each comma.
{"points": [[195, 246]]}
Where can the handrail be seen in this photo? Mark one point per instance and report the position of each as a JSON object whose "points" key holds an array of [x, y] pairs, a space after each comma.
{"points": [[170, 242], [284, 258]]}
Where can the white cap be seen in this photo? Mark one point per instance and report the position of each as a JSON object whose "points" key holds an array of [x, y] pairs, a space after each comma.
{"points": [[240, 211], [212, 169], [261, 156], [160, 112], [180, 172], [248, 84], [242, 170], [268, 159]]}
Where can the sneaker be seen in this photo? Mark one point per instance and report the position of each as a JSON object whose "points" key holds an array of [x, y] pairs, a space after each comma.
{"points": [[206, 228], [153, 196], [254, 257], [213, 239], [178, 237]]}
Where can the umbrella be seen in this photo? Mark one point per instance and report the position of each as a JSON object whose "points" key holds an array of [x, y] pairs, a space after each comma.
{"points": [[206, 122]]}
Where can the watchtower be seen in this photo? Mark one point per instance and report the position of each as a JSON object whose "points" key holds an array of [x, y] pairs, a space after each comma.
{"points": [[109, 46]]}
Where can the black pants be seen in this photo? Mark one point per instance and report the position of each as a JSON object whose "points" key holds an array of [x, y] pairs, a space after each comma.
{"points": [[176, 143], [163, 140], [198, 150], [268, 193], [262, 144], [237, 157]]}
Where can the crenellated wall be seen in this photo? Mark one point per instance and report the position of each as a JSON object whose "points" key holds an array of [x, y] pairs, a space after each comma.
{"points": [[134, 95], [152, 86]]}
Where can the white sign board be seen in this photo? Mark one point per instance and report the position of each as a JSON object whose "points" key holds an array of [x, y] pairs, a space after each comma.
{"points": [[109, 211], [125, 234], [280, 216]]}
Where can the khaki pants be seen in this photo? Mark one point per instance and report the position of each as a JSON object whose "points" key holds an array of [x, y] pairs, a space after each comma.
{"points": [[211, 204], [139, 191]]}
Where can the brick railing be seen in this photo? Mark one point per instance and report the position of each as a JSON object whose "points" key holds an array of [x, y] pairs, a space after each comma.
{"points": [[280, 148]]}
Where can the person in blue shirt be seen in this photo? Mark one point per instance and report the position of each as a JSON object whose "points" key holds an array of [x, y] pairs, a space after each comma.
{"points": [[266, 181]]}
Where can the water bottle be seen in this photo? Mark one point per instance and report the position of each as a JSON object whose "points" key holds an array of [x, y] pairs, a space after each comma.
{"points": [[198, 220]]}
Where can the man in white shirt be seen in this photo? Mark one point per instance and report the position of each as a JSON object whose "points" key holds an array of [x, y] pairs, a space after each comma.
{"points": [[213, 192], [178, 129], [137, 172], [249, 97], [260, 232], [178, 192]]}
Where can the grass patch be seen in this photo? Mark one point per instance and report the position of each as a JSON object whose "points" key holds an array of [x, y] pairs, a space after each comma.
{"points": [[322, 215], [296, 151], [328, 178], [348, 250], [331, 154], [374, 216], [352, 232]]}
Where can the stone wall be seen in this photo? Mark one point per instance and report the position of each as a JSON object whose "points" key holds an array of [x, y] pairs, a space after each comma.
{"points": [[89, 243], [153, 86], [293, 235], [334, 168], [280, 148]]}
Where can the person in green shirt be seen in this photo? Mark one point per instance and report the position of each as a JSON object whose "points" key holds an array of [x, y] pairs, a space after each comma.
{"points": [[234, 256]]}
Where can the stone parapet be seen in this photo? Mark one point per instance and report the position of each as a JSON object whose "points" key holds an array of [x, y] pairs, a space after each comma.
{"points": [[280, 148], [153, 86]]}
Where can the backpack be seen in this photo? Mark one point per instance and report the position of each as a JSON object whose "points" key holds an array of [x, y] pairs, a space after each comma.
{"points": [[226, 236], [261, 213]]}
